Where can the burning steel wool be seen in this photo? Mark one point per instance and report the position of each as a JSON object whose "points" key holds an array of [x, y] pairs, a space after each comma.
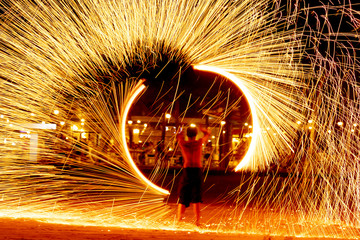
{"points": [[74, 73]]}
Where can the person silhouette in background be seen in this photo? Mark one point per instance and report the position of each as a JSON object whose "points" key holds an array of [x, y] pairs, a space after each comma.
{"points": [[190, 189]]}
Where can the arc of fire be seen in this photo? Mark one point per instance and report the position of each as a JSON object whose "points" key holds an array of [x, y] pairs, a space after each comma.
{"points": [[139, 87], [256, 127]]}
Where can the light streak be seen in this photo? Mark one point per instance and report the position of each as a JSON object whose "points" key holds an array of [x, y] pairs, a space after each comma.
{"points": [[137, 90], [256, 127]]}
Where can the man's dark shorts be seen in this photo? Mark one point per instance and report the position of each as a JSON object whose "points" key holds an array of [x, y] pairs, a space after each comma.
{"points": [[190, 188]]}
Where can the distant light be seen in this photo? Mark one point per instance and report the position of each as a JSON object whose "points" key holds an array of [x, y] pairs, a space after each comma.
{"points": [[5, 141], [167, 128], [13, 144], [1, 116], [310, 127], [192, 125], [223, 122], [145, 125], [82, 130], [74, 128], [352, 130], [212, 136], [32, 114], [138, 121], [224, 132], [83, 135], [56, 112], [136, 131], [310, 121], [355, 124], [82, 124], [10, 125], [250, 126], [130, 122], [62, 123], [329, 131], [268, 128], [170, 149], [82, 120], [246, 124], [340, 123], [298, 122], [167, 116], [43, 122]]}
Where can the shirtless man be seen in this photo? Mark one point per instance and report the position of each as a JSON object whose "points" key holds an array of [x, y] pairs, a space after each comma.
{"points": [[191, 179]]}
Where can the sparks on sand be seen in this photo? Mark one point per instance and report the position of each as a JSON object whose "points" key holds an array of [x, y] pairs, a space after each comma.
{"points": [[63, 61]]}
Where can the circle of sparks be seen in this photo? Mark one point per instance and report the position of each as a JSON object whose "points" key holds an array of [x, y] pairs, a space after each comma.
{"points": [[140, 87]]}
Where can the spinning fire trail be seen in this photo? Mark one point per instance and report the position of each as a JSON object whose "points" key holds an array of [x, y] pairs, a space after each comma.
{"points": [[73, 69]]}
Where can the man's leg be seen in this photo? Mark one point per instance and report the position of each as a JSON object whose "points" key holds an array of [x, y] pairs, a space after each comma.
{"points": [[181, 211], [197, 212]]}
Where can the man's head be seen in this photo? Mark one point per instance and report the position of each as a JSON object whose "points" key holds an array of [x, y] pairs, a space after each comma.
{"points": [[191, 132]]}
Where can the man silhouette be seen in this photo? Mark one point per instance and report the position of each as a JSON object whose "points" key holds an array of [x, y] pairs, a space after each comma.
{"points": [[191, 180]]}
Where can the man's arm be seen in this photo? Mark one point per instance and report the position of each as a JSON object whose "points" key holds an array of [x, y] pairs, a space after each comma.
{"points": [[206, 134], [180, 135]]}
